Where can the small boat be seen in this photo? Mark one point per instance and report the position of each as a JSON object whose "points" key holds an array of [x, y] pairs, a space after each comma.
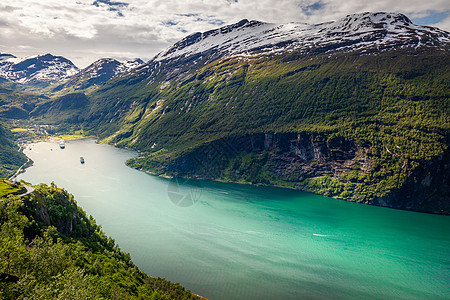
{"points": [[62, 145], [82, 159]]}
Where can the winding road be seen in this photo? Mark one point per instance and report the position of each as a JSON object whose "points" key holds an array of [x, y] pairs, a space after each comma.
{"points": [[30, 189]]}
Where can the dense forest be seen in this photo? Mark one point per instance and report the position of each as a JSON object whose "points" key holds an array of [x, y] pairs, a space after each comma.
{"points": [[50, 249]]}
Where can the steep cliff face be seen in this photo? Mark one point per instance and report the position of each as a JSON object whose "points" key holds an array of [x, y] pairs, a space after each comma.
{"points": [[325, 164], [427, 189], [286, 154], [51, 206]]}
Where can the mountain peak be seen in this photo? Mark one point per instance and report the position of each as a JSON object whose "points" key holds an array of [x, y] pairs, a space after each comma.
{"points": [[200, 36], [369, 20], [99, 72], [45, 68], [379, 17], [362, 31]]}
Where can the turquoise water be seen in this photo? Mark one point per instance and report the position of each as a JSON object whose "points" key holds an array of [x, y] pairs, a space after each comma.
{"points": [[229, 241]]}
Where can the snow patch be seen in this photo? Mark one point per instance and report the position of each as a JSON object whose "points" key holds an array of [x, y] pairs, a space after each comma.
{"points": [[353, 32]]}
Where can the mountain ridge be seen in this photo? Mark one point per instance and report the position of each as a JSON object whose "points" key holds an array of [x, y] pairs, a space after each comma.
{"points": [[365, 27], [39, 71], [350, 122], [38, 68], [98, 72]]}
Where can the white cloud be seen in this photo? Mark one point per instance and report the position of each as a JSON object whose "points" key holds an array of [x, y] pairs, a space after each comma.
{"points": [[83, 32], [444, 24]]}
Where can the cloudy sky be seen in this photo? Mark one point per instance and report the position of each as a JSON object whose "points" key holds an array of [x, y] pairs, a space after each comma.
{"points": [[85, 30]]}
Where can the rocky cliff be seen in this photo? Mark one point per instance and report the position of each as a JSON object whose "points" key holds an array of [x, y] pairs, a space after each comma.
{"points": [[329, 165]]}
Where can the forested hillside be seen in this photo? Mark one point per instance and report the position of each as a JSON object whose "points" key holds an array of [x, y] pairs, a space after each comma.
{"points": [[357, 109], [50, 249], [10, 158], [371, 128]]}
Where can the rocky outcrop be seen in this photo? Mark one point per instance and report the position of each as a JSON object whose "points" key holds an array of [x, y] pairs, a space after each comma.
{"points": [[297, 159], [53, 208], [316, 157], [289, 152], [427, 189]]}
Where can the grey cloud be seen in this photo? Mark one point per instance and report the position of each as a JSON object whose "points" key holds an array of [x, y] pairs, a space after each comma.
{"points": [[85, 30], [313, 8]]}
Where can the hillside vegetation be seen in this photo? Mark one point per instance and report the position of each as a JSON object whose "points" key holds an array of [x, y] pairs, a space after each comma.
{"points": [[359, 127], [50, 249], [10, 158], [357, 109]]}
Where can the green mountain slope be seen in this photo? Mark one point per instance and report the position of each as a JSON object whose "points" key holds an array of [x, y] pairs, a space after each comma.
{"points": [[10, 158], [356, 109], [15, 104], [356, 127], [50, 249]]}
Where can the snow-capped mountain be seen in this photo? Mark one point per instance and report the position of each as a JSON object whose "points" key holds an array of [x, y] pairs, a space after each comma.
{"points": [[107, 68], [45, 68], [130, 64], [99, 72], [5, 56], [362, 31]]}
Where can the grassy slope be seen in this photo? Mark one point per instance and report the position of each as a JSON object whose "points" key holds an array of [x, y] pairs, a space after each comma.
{"points": [[285, 95], [16, 104], [50, 249], [6, 188]]}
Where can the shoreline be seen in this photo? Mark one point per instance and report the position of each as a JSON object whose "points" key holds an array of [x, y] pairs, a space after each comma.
{"points": [[30, 188], [288, 188], [165, 176], [29, 162], [57, 139]]}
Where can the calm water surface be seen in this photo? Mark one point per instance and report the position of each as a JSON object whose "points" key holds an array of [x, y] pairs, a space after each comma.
{"points": [[244, 242]]}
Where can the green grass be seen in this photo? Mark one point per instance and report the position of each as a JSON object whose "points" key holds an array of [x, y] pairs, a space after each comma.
{"points": [[10, 158], [71, 136], [15, 130], [6, 188]]}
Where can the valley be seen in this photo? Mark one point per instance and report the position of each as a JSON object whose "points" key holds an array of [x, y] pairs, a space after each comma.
{"points": [[234, 241], [364, 120], [238, 139]]}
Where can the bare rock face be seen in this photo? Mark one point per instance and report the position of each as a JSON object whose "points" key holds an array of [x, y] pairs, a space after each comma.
{"points": [[297, 158]]}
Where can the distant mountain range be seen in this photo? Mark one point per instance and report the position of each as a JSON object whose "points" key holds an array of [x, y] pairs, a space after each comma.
{"points": [[99, 72], [356, 109], [44, 70]]}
